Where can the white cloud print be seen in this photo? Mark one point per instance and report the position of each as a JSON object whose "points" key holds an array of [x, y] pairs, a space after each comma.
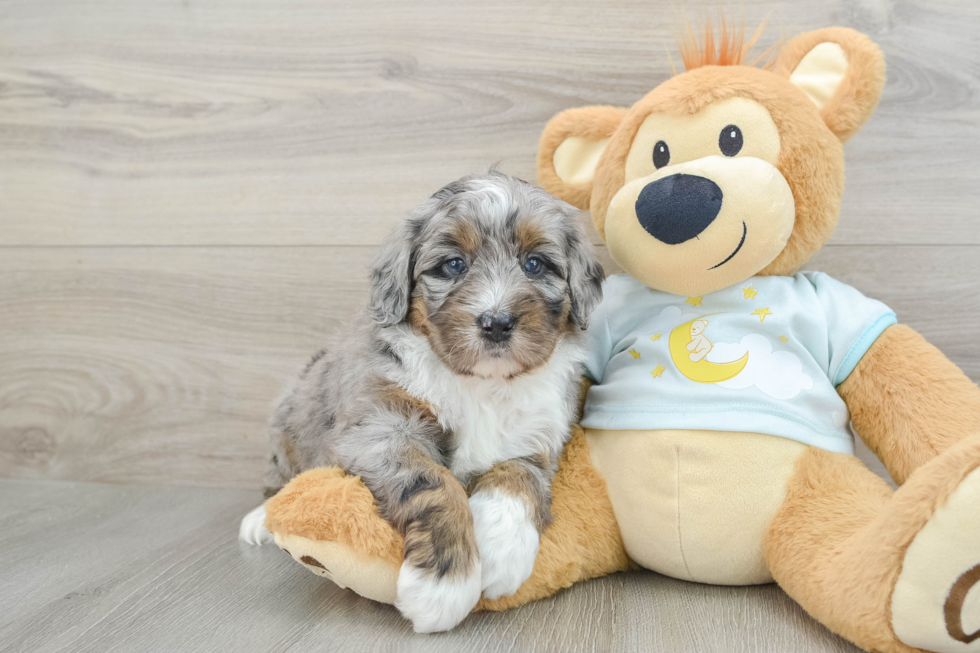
{"points": [[673, 315], [777, 374]]}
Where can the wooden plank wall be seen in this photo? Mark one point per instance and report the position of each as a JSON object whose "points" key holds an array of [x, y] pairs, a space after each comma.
{"points": [[190, 190]]}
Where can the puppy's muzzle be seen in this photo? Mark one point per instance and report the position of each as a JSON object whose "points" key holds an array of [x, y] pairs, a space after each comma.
{"points": [[677, 208], [497, 327]]}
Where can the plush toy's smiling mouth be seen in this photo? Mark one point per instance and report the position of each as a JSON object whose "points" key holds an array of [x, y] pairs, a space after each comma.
{"points": [[745, 231]]}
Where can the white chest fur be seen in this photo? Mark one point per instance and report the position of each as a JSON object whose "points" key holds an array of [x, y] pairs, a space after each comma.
{"points": [[495, 419]]}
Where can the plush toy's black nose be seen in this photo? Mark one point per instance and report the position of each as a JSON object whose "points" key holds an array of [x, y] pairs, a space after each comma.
{"points": [[678, 208], [497, 327]]}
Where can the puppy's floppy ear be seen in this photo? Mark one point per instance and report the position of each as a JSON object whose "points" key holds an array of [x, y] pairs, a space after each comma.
{"points": [[842, 72], [569, 151], [391, 275], [585, 273]]}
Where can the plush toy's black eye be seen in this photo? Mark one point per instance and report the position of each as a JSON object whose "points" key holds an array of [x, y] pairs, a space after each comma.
{"points": [[534, 266], [661, 154], [730, 140], [454, 267]]}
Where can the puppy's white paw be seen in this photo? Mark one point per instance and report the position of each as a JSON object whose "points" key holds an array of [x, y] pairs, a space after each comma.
{"points": [[507, 540], [253, 530], [435, 604]]}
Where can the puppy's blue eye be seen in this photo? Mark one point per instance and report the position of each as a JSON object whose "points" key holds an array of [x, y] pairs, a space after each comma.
{"points": [[454, 267], [534, 266]]}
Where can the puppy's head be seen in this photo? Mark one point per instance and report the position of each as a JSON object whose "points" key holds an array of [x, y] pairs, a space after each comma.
{"points": [[493, 271]]}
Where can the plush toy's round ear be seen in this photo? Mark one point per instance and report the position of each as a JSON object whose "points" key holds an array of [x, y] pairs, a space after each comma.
{"points": [[570, 148], [840, 70]]}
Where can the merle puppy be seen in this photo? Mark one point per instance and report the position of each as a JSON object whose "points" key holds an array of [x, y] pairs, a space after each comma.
{"points": [[453, 394]]}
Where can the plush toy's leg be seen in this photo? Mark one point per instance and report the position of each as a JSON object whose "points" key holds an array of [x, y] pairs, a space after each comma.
{"points": [[908, 402], [329, 522], [891, 571]]}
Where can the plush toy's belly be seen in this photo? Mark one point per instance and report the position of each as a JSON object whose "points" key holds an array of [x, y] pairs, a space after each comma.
{"points": [[695, 504]]}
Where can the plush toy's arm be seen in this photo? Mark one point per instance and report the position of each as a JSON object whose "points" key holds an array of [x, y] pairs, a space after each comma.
{"points": [[908, 402]]}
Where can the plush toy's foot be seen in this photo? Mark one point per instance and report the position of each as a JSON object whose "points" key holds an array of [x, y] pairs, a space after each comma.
{"points": [[936, 601], [329, 523], [891, 571]]}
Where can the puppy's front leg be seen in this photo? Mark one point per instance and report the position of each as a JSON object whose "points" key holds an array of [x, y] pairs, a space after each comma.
{"points": [[439, 581], [511, 507]]}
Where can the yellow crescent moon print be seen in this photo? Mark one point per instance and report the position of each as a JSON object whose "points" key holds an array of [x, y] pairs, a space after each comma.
{"points": [[703, 371]]}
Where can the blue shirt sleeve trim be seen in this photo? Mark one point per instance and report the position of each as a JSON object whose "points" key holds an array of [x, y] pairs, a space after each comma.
{"points": [[861, 346], [605, 345]]}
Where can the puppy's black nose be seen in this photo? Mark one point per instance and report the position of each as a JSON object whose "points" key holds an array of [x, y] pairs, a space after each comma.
{"points": [[678, 208], [497, 327]]}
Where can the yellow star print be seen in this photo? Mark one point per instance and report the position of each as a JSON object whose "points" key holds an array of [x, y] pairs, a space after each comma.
{"points": [[762, 313], [749, 293], [694, 301], [784, 338], [655, 337], [635, 354], [658, 371]]}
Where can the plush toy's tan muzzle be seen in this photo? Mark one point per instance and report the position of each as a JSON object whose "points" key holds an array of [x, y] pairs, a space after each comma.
{"points": [[699, 226]]}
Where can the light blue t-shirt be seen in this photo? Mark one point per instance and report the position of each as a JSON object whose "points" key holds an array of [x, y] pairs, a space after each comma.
{"points": [[764, 356]]}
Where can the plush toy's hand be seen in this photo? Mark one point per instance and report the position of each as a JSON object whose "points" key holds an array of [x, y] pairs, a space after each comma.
{"points": [[435, 602], [507, 540]]}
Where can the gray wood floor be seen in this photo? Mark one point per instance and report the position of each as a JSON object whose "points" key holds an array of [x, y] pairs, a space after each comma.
{"points": [[189, 194], [156, 568]]}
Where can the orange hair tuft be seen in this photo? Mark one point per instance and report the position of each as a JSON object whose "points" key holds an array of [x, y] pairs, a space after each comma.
{"points": [[731, 48]]}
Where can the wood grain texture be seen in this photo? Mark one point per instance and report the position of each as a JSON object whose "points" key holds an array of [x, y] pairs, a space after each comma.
{"points": [[220, 122], [190, 193], [160, 365], [159, 569]]}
